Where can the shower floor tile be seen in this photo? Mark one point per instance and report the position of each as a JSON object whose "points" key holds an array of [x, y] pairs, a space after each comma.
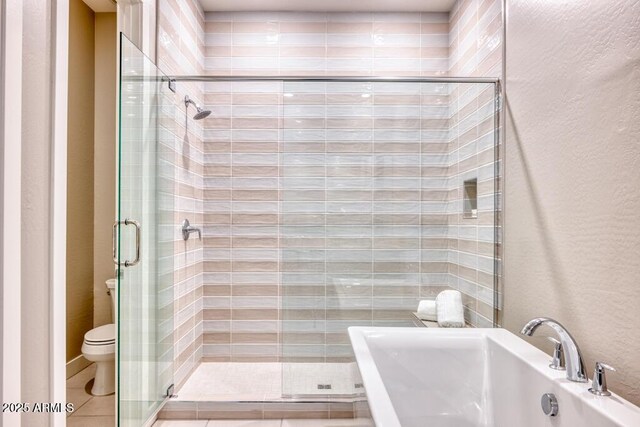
{"points": [[304, 378], [214, 381], [233, 381]]}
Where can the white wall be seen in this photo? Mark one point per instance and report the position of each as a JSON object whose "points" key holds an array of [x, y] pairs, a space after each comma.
{"points": [[572, 180], [36, 207], [37, 89], [10, 157]]}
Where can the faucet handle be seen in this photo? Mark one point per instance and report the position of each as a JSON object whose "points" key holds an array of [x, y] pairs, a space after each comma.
{"points": [[187, 229], [558, 362], [599, 384]]}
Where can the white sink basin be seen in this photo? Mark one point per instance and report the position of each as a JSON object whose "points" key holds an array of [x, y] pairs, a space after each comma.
{"points": [[417, 377]]}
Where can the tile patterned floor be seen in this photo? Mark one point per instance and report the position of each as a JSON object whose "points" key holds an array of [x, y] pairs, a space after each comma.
{"points": [[267, 381], [210, 381], [263, 423], [90, 411]]}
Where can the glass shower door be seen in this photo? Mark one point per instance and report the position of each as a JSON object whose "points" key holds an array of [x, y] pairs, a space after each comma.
{"points": [[144, 230], [389, 195]]}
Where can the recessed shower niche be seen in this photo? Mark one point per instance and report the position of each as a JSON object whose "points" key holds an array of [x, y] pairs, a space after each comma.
{"points": [[470, 198]]}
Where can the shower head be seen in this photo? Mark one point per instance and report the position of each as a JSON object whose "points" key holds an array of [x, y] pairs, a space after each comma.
{"points": [[200, 113]]}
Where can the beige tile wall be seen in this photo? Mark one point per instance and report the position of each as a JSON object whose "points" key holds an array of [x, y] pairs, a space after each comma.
{"points": [[246, 146], [241, 303], [180, 51], [369, 44], [368, 272], [327, 281], [475, 50]]}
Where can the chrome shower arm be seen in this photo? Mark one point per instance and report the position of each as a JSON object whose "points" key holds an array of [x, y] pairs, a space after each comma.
{"points": [[188, 101]]}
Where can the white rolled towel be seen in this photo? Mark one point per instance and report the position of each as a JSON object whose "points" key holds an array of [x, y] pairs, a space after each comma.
{"points": [[449, 309], [427, 310]]}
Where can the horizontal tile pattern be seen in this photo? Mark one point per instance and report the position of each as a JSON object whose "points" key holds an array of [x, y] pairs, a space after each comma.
{"points": [[356, 257], [475, 50], [328, 208], [255, 410], [348, 221], [181, 51], [323, 183], [241, 193], [375, 44]]}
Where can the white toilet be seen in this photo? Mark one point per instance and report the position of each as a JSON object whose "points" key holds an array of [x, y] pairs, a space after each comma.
{"points": [[99, 346]]}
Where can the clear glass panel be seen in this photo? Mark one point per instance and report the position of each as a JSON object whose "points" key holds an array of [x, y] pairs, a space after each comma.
{"points": [[145, 288], [371, 215]]}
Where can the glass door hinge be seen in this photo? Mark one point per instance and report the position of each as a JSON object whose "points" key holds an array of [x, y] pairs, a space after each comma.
{"points": [[170, 391]]}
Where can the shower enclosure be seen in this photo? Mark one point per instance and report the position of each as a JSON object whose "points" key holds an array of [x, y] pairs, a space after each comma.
{"points": [[143, 239], [324, 202]]}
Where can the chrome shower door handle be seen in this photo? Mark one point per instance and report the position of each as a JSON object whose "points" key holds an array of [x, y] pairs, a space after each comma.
{"points": [[114, 236], [137, 259]]}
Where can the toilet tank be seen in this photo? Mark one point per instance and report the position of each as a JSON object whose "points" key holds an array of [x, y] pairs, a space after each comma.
{"points": [[111, 285]]}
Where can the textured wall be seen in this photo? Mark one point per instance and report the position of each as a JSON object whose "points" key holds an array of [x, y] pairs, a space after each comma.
{"points": [[572, 242], [105, 168], [80, 176]]}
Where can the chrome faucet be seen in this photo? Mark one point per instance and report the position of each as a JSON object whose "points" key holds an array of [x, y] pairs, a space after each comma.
{"points": [[573, 358]]}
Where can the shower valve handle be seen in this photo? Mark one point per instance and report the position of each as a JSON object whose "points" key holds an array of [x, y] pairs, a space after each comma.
{"points": [[187, 229]]}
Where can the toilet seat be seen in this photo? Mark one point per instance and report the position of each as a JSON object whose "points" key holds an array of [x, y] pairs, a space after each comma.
{"points": [[102, 335], [99, 352]]}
